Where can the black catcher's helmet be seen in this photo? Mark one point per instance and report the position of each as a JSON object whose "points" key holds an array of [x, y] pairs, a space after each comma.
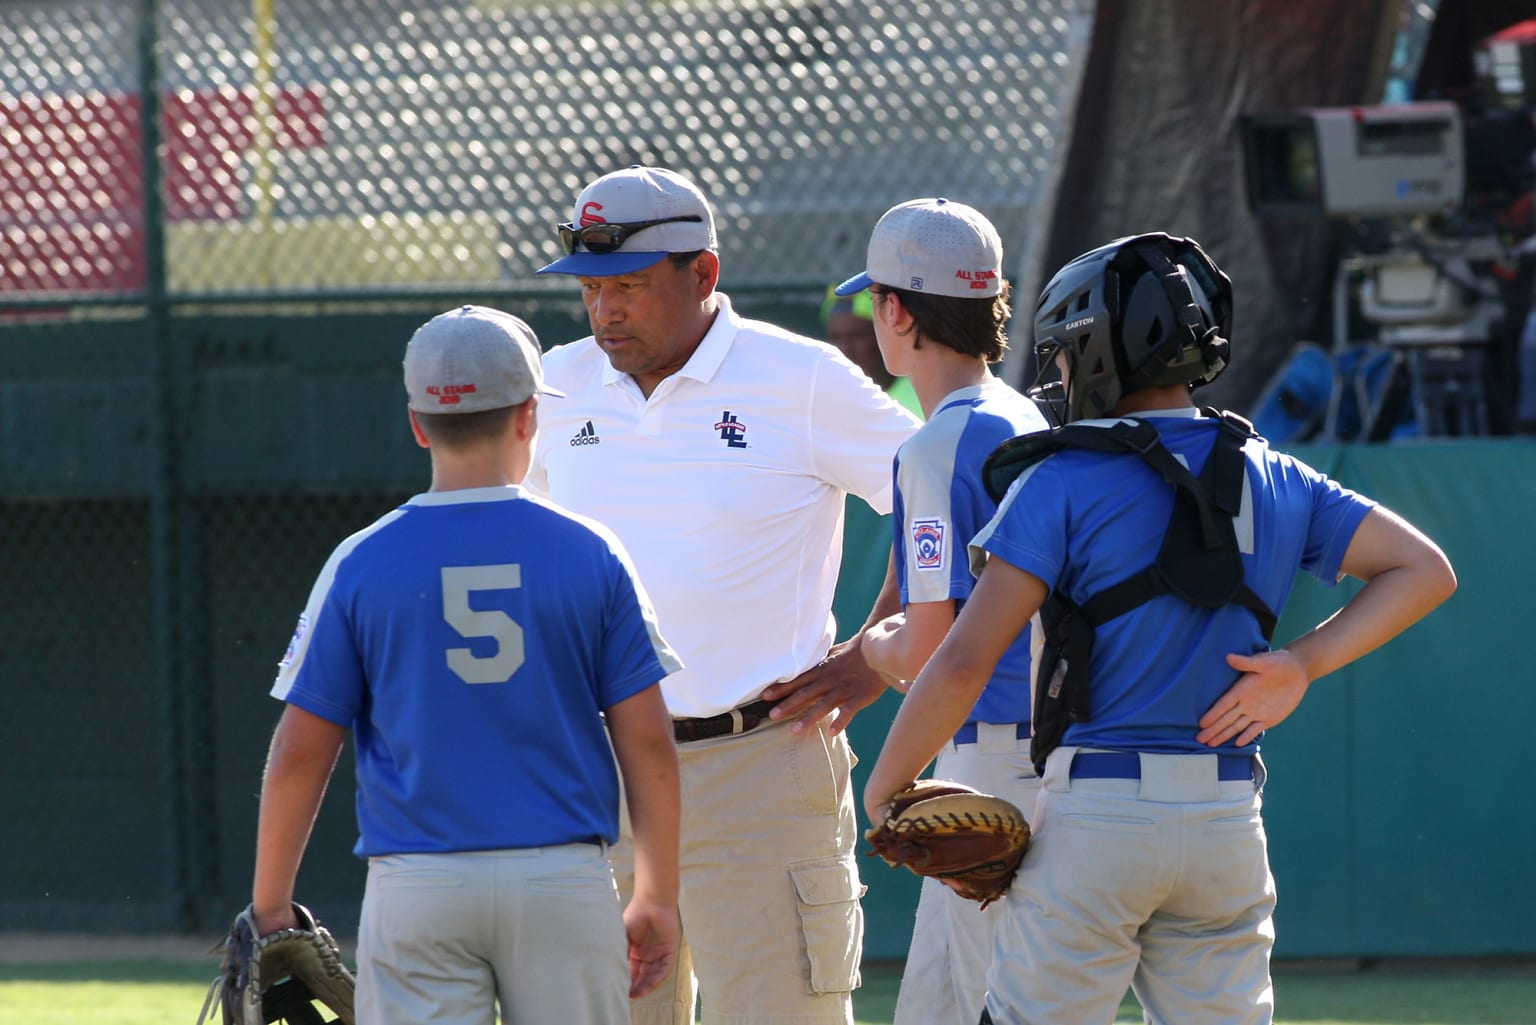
{"points": [[1144, 311]]}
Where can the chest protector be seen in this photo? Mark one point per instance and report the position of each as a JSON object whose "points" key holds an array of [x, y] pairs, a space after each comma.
{"points": [[1199, 559]]}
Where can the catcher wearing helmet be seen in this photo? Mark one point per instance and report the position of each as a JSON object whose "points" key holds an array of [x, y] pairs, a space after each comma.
{"points": [[1148, 867]]}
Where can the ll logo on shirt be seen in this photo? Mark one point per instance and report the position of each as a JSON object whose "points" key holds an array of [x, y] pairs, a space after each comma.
{"points": [[731, 430], [928, 543]]}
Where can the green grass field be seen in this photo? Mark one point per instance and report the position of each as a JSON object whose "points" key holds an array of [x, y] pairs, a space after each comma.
{"points": [[158, 992]]}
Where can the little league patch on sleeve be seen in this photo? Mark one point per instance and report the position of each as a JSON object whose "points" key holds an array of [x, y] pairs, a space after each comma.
{"points": [[293, 645], [928, 543]]}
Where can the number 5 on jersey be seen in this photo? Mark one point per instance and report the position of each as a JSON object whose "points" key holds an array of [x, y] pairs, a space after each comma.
{"points": [[458, 583]]}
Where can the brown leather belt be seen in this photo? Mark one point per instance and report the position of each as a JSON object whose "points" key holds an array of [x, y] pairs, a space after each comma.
{"points": [[738, 720]]}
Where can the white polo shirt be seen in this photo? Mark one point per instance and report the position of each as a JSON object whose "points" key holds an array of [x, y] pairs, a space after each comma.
{"points": [[726, 486]]}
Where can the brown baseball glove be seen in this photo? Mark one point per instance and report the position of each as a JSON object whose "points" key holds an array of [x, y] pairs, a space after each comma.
{"points": [[970, 841], [279, 976]]}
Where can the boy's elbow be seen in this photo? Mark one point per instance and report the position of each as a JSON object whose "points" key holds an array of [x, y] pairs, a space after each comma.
{"points": [[1446, 579], [1435, 578]]}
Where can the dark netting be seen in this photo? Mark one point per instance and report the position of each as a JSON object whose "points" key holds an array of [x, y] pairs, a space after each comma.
{"points": [[81, 715], [263, 552]]}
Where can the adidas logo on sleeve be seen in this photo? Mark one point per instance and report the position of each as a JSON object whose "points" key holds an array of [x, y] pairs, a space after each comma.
{"points": [[586, 436]]}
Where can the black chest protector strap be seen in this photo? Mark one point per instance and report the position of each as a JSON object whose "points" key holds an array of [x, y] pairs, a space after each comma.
{"points": [[1198, 561]]}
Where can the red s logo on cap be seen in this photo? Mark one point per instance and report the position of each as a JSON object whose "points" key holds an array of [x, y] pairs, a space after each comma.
{"points": [[591, 213]]}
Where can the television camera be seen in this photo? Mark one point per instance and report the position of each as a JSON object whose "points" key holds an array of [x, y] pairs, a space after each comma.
{"points": [[1421, 186]]}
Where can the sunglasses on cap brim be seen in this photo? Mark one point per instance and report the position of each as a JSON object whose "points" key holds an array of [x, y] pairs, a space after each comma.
{"points": [[609, 237]]}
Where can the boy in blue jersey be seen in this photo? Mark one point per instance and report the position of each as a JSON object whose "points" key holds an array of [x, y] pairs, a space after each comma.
{"points": [[1149, 867], [940, 310], [493, 656]]}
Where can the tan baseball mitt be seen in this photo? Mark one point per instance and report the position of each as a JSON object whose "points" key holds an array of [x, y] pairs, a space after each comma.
{"points": [[972, 842], [280, 976]]}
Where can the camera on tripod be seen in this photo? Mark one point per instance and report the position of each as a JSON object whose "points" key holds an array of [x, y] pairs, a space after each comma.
{"points": [[1419, 184]]}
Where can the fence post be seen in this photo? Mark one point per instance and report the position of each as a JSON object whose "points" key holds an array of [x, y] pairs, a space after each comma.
{"points": [[167, 505]]}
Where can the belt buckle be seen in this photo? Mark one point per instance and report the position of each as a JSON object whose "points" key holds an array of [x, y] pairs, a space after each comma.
{"points": [[727, 724]]}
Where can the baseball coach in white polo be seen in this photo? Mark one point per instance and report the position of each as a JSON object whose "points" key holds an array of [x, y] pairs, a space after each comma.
{"points": [[720, 450]]}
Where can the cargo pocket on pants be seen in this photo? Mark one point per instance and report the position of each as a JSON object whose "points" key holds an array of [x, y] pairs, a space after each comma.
{"points": [[832, 920]]}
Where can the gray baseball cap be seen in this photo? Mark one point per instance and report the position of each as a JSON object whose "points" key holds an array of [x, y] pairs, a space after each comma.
{"points": [[630, 219], [935, 246], [470, 359]]}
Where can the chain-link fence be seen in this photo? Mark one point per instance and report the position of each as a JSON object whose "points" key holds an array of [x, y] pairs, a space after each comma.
{"points": [[219, 222], [392, 145]]}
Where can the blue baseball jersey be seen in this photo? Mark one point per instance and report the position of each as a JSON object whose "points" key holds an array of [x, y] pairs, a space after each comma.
{"points": [[940, 505], [1081, 521], [471, 640]]}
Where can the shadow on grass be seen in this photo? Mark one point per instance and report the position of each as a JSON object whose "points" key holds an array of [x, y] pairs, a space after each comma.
{"points": [[1482, 992], [1410, 993], [147, 971], [1400, 993]]}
